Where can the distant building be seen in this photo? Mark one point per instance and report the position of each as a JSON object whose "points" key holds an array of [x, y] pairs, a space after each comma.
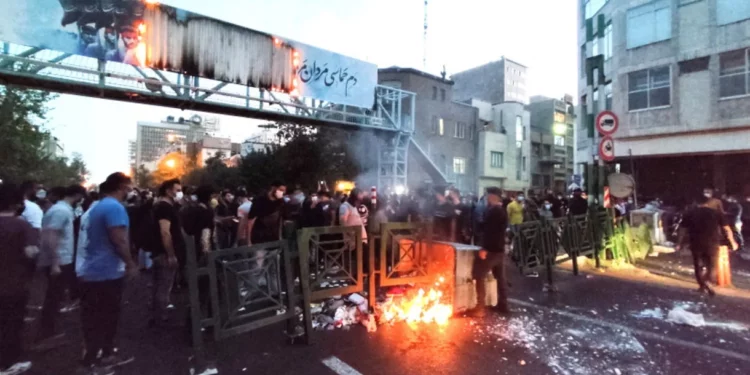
{"points": [[259, 142], [503, 146], [496, 82], [132, 153], [156, 139], [552, 137], [52, 147], [443, 147], [210, 147]]}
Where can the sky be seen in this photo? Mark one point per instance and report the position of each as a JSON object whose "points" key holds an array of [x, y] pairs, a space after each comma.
{"points": [[540, 34]]}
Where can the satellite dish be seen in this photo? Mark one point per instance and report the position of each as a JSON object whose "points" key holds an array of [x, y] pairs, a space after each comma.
{"points": [[621, 185]]}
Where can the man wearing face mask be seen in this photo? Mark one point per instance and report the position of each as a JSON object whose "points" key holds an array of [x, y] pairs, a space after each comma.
{"points": [[169, 250], [515, 210], [713, 203], [56, 260], [106, 262], [225, 224]]}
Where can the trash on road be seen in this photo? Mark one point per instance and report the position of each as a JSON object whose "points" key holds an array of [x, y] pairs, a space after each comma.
{"points": [[681, 316]]}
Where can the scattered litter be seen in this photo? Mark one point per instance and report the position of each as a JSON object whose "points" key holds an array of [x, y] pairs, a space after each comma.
{"points": [[656, 313]]}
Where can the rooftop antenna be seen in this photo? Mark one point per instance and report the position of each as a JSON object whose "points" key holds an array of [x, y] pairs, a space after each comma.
{"points": [[424, 52]]}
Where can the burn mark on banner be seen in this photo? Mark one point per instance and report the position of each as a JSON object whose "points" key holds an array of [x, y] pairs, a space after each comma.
{"points": [[315, 73]]}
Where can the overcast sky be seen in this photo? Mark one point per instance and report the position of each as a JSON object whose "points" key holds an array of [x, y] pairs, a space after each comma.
{"points": [[462, 34]]}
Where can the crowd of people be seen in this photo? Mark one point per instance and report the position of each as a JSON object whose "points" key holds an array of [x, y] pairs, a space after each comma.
{"points": [[85, 244]]}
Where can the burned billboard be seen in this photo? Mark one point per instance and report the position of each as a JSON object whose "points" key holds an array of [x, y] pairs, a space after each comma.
{"points": [[145, 33]]}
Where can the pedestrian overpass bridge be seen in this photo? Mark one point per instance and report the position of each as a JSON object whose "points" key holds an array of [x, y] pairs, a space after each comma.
{"points": [[278, 79]]}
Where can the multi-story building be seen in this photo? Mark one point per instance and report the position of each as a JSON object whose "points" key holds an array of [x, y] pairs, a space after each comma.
{"points": [[496, 82], [676, 73], [156, 139], [443, 146], [552, 140], [503, 146], [132, 151]]}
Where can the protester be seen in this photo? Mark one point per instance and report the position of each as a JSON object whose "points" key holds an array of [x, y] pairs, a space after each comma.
{"points": [[578, 205], [443, 216], [105, 265], [492, 255], [349, 216], [56, 260], [242, 213], [320, 211], [18, 249], [168, 253], [515, 210], [702, 229], [713, 202], [31, 212], [225, 220]]}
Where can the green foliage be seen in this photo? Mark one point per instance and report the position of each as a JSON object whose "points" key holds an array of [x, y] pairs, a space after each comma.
{"points": [[22, 152], [306, 156]]}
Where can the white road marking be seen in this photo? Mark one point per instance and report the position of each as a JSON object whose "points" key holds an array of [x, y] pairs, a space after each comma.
{"points": [[340, 367], [635, 331]]}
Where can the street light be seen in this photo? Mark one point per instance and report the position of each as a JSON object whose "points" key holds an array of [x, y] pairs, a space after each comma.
{"points": [[170, 163]]}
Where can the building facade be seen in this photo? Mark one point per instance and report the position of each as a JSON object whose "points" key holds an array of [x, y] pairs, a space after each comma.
{"points": [[443, 147], [503, 147], [676, 73], [156, 139], [496, 82], [552, 143]]}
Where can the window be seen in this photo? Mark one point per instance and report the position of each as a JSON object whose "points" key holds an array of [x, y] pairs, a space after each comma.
{"points": [[459, 165], [730, 11], [520, 130], [547, 151], [583, 61], [733, 74], [590, 7], [442, 94], [536, 149], [460, 130], [608, 96], [437, 125], [595, 50], [471, 132], [559, 140], [607, 46], [523, 163], [649, 88], [434, 93], [559, 117], [536, 179], [649, 23], [496, 159]]}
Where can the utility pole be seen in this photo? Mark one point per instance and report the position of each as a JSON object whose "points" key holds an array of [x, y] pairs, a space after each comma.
{"points": [[595, 81]]}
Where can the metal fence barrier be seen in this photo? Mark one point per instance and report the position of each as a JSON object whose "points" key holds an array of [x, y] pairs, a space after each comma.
{"points": [[541, 243]]}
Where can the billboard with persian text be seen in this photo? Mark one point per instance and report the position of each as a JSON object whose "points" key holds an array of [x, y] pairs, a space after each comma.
{"points": [[145, 33]]}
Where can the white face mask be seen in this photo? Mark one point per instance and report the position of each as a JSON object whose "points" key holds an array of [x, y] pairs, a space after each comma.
{"points": [[708, 195], [194, 198], [548, 207], [179, 196], [132, 194], [41, 194], [279, 194]]}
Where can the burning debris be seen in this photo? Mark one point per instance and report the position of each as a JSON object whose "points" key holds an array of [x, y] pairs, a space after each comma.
{"points": [[429, 305], [416, 306]]}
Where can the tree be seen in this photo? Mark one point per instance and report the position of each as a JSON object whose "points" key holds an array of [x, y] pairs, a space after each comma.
{"points": [[22, 112], [143, 177]]}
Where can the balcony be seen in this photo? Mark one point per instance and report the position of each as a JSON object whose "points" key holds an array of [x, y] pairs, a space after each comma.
{"points": [[549, 159]]}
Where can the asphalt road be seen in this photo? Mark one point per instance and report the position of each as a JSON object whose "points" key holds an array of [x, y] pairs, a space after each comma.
{"points": [[593, 325]]}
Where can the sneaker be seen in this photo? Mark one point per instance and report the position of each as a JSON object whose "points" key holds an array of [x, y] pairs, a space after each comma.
{"points": [[115, 360], [17, 369]]}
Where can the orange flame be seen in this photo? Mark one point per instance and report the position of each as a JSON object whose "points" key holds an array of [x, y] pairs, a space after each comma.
{"points": [[424, 307]]}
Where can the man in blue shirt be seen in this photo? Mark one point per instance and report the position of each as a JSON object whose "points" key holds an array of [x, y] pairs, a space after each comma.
{"points": [[105, 265]]}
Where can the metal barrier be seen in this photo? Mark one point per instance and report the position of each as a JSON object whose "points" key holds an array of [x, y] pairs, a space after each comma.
{"points": [[539, 243], [399, 254], [336, 256], [237, 290]]}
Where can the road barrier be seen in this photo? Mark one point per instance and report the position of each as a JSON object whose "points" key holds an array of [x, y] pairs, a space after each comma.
{"points": [[543, 243]]}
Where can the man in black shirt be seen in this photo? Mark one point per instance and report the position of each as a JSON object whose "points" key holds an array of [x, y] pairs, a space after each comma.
{"points": [[578, 205], [702, 228], [443, 216], [264, 219], [492, 255], [169, 247]]}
